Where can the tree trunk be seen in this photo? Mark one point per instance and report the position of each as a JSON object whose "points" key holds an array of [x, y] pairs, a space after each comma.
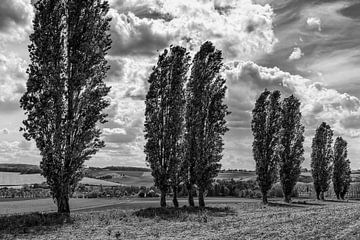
{"points": [[175, 200], [190, 197], [163, 198], [63, 206], [201, 198], [338, 196], [322, 196], [264, 198], [342, 195], [318, 195], [287, 198]]}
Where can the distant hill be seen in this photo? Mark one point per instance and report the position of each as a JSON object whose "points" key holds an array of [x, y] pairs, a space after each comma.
{"points": [[21, 168], [28, 168], [129, 169]]}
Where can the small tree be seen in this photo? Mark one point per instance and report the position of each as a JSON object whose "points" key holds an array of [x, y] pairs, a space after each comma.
{"points": [[65, 92], [292, 138], [205, 119], [341, 173], [265, 126], [164, 119], [321, 159]]}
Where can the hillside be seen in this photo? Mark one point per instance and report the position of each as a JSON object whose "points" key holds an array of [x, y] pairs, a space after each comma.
{"points": [[137, 176], [21, 168]]}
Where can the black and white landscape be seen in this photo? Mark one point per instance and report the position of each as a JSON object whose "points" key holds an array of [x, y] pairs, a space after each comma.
{"points": [[192, 119]]}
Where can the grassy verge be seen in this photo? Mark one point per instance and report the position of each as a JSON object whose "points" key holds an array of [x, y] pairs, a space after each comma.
{"points": [[304, 219]]}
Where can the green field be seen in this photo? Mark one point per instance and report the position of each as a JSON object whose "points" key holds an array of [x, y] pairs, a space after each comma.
{"points": [[243, 219]]}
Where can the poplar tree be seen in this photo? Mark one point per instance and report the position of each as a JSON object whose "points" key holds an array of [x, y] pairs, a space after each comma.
{"points": [[265, 126], [205, 120], [164, 118], [292, 138], [341, 173], [322, 159], [66, 93]]}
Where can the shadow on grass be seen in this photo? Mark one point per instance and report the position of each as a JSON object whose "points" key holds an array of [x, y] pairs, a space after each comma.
{"points": [[308, 203], [285, 205], [31, 223], [184, 213], [337, 201]]}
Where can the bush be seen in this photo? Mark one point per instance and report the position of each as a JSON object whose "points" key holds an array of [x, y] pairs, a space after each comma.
{"points": [[15, 223], [276, 191]]}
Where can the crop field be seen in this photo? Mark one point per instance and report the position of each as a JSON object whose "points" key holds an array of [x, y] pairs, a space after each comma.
{"points": [[243, 219]]}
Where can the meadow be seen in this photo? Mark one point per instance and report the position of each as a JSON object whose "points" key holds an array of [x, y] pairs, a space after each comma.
{"points": [[244, 219]]}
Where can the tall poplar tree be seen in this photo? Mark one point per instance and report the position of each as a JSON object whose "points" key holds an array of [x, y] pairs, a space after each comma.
{"points": [[164, 118], [65, 92], [292, 138], [265, 126], [322, 159], [341, 173], [205, 120]]}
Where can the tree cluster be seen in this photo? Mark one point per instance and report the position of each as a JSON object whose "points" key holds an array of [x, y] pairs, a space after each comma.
{"points": [[328, 163], [278, 149], [185, 120], [278, 142]]}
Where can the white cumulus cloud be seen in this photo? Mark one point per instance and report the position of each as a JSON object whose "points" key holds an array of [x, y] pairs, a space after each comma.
{"points": [[314, 23], [296, 54]]}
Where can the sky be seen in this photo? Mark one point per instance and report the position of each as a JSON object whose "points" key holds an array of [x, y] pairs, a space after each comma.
{"points": [[306, 48]]}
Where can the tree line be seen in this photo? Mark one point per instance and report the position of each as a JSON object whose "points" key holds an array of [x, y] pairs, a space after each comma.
{"points": [[185, 121], [278, 149]]}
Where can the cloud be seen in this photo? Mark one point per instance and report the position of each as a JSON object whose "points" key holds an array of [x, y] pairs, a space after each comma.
{"points": [[314, 23], [241, 30], [15, 19], [296, 54], [12, 81], [134, 36], [318, 103]]}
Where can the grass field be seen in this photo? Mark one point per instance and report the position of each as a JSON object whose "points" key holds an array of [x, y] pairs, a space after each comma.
{"points": [[245, 219]]}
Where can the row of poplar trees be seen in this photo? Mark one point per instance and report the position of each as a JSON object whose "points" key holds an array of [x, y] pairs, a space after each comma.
{"points": [[278, 149], [185, 121], [328, 163]]}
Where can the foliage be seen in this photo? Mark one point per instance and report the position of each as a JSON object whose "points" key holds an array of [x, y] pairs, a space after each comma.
{"points": [[65, 92], [24, 193], [292, 138], [341, 173], [321, 159], [205, 119], [265, 126], [165, 102]]}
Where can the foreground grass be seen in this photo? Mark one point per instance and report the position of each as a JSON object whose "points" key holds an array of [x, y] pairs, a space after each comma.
{"points": [[245, 220]]}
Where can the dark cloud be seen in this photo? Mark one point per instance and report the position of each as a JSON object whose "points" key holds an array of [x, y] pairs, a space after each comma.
{"points": [[14, 15], [10, 14], [351, 11]]}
